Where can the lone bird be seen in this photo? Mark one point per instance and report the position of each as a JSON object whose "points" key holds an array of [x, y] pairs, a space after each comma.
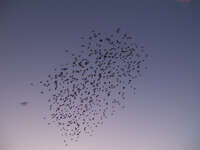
{"points": [[24, 103]]}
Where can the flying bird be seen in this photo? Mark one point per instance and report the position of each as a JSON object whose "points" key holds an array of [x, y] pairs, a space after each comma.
{"points": [[25, 103]]}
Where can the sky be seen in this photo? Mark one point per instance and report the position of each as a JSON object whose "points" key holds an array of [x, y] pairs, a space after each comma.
{"points": [[164, 113]]}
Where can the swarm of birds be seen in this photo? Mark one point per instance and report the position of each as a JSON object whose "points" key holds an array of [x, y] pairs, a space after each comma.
{"points": [[93, 86]]}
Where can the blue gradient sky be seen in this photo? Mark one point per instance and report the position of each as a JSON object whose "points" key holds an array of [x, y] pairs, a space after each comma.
{"points": [[164, 113]]}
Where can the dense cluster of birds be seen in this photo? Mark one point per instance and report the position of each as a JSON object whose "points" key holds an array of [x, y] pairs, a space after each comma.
{"points": [[93, 86]]}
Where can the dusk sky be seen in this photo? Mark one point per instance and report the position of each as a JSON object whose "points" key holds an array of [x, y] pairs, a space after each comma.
{"points": [[164, 113]]}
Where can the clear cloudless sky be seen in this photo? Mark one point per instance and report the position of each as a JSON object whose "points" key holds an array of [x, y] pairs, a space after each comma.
{"points": [[164, 113]]}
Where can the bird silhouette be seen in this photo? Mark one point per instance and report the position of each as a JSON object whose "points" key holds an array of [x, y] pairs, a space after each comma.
{"points": [[24, 103]]}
